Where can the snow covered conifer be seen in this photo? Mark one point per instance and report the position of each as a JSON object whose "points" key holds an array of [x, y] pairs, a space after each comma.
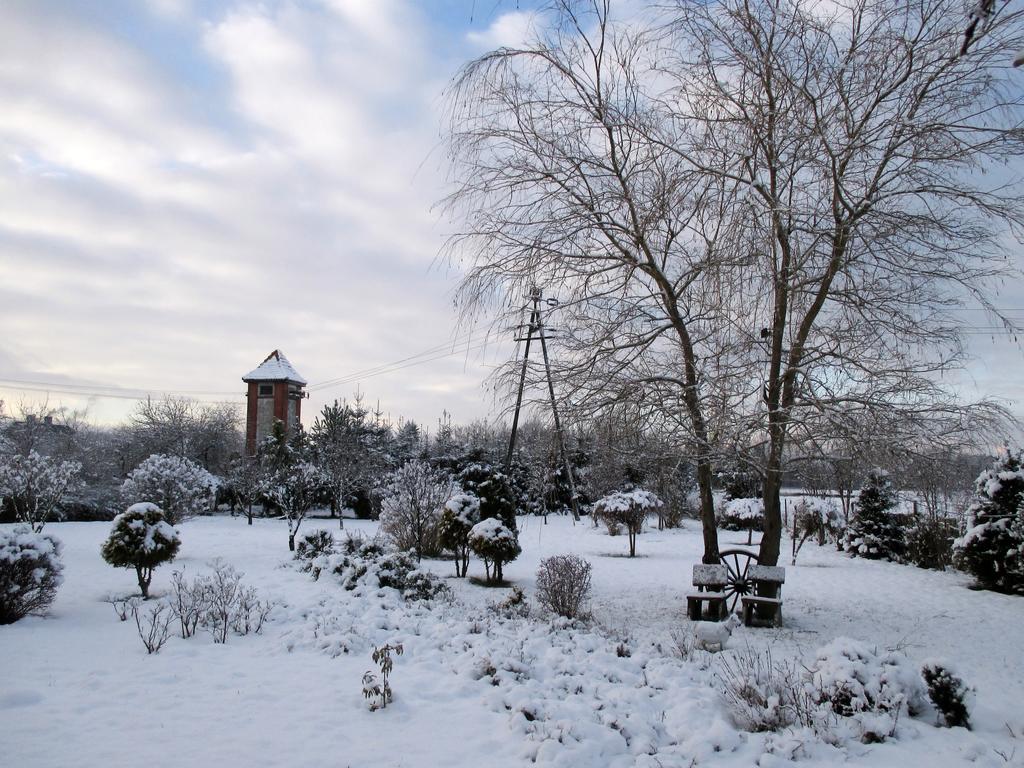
{"points": [[30, 572], [179, 487], [494, 489], [461, 513], [35, 485], [141, 538], [875, 531], [496, 545], [992, 550]]}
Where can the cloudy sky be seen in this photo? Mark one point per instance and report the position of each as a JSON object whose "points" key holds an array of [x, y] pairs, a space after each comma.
{"points": [[186, 185]]}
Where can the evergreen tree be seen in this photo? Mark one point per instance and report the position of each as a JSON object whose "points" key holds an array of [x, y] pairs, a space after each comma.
{"points": [[498, 497], [992, 549], [876, 531]]}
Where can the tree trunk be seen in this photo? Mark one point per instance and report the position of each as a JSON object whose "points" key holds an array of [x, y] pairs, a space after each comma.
{"points": [[291, 542], [771, 539], [145, 577], [707, 511]]}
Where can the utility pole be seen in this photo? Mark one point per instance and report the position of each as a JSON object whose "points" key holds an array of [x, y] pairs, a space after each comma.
{"points": [[536, 325]]}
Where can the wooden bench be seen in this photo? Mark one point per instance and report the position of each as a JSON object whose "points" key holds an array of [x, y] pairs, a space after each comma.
{"points": [[764, 606], [710, 582]]}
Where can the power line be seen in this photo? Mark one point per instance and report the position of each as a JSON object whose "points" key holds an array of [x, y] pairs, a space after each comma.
{"points": [[462, 338]]}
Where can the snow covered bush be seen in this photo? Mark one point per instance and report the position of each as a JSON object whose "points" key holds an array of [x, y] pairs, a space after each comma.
{"points": [[876, 531], [992, 549], [763, 694], [628, 509], [179, 487], [411, 509], [141, 538], [219, 602], [369, 565], [742, 515], [949, 693], [496, 545], [35, 485], [930, 540], [871, 690], [563, 585], [461, 513], [30, 572], [312, 546]]}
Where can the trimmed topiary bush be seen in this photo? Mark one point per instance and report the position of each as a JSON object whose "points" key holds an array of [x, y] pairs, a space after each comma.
{"points": [[627, 509], [30, 572], [141, 538], [496, 545], [742, 515], [460, 514]]}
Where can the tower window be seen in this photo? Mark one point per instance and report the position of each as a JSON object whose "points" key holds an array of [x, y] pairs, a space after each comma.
{"points": [[266, 390]]}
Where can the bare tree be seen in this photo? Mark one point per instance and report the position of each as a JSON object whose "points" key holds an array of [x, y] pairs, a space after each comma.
{"points": [[853, 135], [763, 220], [561, 180]]}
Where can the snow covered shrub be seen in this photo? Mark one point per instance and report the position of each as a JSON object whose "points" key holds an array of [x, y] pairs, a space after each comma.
{"points": [[763, 694], [742, 515], [30, 572], [948, 692], [219, 602], [231, 605], [876, 531], [311, 547], [411, 509], [35, 485], [514, 606], [181, 488], [992, 549], [930, 541], [496, 545], [563, 584], [188, 601], [369, 564], [872, 690], [141, 538], [628, 509], [461, 513]]}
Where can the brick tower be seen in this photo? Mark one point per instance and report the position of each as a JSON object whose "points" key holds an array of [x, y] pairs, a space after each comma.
{"points": [[275, 394]]}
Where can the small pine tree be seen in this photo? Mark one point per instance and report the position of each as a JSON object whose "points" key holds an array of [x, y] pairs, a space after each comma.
{"points": [[992, 549], [141, 538], [875, 531]]}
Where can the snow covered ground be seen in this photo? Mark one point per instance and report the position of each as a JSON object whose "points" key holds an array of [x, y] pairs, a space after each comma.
{"points": [[473, 687]]}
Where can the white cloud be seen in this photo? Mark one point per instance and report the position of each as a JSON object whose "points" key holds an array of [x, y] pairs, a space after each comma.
{"points": [[509, 30], [155, 246]]}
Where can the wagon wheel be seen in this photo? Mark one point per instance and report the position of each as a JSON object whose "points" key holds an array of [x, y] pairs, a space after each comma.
{"points": [[738, 561]]}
